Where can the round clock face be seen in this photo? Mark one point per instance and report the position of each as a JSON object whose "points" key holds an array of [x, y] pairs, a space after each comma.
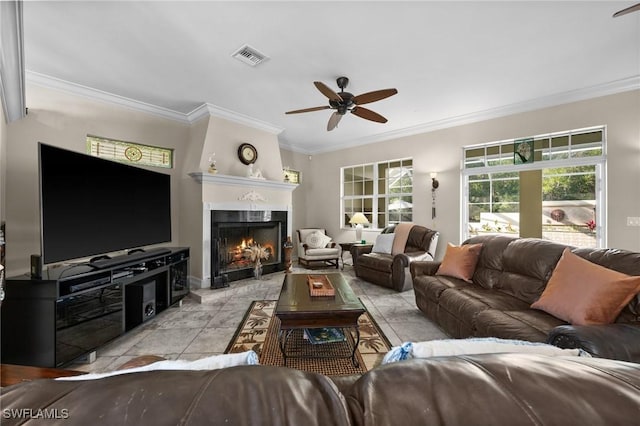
{"points": [[133, 153], [247, 153]]}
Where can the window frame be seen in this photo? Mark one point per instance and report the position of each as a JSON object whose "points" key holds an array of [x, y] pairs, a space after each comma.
{"points": [[373, 216], [502, 166], [114, 154]]}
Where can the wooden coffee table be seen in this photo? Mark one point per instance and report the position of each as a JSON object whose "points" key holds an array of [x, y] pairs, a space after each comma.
{"points": [[297, 309]]}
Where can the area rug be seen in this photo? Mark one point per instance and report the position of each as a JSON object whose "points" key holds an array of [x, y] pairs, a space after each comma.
{"points": [[258, 331]]}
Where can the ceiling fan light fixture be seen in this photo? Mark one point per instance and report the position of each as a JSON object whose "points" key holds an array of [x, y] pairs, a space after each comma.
{"points": [[344, 102]]}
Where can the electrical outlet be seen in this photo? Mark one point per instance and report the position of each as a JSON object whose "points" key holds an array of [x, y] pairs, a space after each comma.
{"points": [[633, 221]]}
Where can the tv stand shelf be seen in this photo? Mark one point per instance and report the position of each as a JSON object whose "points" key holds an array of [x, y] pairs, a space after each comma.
{"points": [[74, 310], [128, 258]]}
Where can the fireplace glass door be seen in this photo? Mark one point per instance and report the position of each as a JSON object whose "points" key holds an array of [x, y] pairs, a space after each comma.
{"points": [[236, 241]]}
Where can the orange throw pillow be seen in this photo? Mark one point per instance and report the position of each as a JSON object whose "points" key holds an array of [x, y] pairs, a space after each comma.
{"points": [[581, 292], [460, 262]]}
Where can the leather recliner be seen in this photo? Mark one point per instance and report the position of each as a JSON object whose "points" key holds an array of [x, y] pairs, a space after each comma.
{"points": [[393, 271]]}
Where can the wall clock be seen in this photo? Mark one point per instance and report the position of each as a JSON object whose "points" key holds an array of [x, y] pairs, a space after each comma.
{"points": [[247, 153]]}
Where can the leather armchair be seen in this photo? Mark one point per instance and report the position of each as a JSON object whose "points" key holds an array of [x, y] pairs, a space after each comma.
{"points": [[392, 271], [330, 253]]}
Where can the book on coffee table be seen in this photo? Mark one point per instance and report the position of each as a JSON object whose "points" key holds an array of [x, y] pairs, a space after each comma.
{"points": [[324, 335]]}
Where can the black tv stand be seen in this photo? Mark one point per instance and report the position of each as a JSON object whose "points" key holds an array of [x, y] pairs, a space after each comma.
{"points": [[95, 259], [128, 258], [68, 314]]}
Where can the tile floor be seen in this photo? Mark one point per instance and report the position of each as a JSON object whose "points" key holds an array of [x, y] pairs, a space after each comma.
{"points": [[208, 319]]}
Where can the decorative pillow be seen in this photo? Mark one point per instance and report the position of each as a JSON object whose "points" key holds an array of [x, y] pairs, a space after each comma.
{"points": [[581, 292], [383, 244], [209, 363], [460, 262], [317, 239], [472, 346]]}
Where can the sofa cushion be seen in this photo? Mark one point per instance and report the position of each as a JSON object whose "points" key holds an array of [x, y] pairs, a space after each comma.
{"points": [[460, 262], [489, 266], [317, 240], [498, 389], [527, 324], [376, 261], [528, 264], [432, 287], [582, 293], [321, 252], [494, 299], [242, 395], [383, 243]]}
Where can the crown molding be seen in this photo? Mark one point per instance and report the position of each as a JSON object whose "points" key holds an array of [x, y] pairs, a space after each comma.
{"points": [[611, 88], [204, 110], [207, 109], [100, 95], [12, 80]]}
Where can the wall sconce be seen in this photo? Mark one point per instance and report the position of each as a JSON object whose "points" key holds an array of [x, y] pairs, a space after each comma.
{"points": [[434, 185]]}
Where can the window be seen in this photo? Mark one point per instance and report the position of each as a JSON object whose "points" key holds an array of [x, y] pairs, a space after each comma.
{"points": [[129, 152], [383, 192], [563, 187]]}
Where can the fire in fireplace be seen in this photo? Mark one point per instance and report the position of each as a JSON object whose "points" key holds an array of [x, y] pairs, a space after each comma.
{"points": [[233, 236]]}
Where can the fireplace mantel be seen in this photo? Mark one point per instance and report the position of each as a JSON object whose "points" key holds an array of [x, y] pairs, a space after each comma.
{"points": [[207, 178]]}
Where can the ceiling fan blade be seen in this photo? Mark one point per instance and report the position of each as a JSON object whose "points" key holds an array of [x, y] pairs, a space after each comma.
{"points": [[327, 91], [298, 111], [333, 121], [627, 10], [377, 95], [367, 114]]}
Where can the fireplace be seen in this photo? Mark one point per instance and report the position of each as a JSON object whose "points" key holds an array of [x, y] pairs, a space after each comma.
{"points": [[235, 231]]}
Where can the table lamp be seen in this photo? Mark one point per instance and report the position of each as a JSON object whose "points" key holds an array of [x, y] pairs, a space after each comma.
{"points": [[358, 219]]}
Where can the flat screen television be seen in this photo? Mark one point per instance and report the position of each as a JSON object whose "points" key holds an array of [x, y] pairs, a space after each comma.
{"points": [[91, 206]]}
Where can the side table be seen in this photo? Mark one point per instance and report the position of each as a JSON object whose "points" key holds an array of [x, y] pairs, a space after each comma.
{"points": [[349, 247]]}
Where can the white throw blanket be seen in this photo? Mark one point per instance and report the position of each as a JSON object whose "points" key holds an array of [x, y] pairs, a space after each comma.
{"points": [[210, 363], [450, 347]]}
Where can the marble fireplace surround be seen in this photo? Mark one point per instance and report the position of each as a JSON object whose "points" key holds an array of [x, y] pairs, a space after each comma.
{"points": [[224, 192]]}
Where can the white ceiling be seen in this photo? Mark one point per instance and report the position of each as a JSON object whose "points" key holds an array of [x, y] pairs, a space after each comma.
{"points": [[450, 61]]}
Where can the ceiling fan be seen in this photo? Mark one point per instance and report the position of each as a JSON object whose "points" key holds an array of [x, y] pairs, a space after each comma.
{"points": [[629, 9], [345, 101]]}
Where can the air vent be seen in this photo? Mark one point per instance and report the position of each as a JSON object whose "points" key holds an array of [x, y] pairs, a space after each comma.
{"points": [[249, 55]]}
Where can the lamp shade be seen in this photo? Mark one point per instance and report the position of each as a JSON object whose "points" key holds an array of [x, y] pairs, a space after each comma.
{"points": [[359, 219]]}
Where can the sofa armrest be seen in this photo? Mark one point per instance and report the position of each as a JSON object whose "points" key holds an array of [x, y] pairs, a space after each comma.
{"points": [[360, 250], [405, 259], [424, 268], [614, 341], [400, 273], [357, 251]]}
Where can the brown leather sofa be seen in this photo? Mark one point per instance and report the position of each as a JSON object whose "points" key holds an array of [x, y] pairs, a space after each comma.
{"points": [[510, 275], [494, 389], [393, 271]]}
